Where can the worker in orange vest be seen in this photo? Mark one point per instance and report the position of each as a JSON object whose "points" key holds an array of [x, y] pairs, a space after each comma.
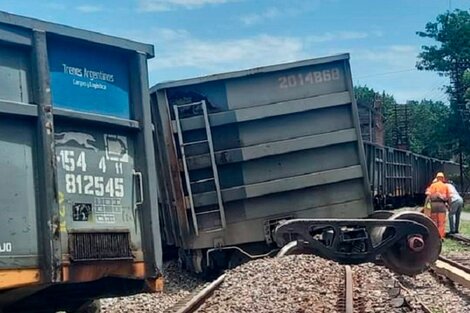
{"points": [[426, 210], [439, 195]]}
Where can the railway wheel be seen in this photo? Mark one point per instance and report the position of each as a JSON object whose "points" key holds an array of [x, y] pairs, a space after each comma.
{"points": [[376, 233], [414, 254]]}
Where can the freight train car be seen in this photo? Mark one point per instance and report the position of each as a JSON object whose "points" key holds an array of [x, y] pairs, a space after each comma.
{"points": [[238, 152], [77, 167], [399, 178]]}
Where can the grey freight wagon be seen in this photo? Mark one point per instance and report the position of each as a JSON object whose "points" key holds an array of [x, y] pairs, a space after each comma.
{"points": [[77, 171], [239, 152], [399, 178]]}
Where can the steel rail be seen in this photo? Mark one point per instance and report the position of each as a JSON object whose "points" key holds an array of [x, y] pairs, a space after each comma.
{"points": [[455, 264], [460, 238], [198, 300], [454, 271], [348, 289], [424, 307]]}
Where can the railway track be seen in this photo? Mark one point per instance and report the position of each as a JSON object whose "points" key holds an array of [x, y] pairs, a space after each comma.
{"points": [[346, 298], [455, 269], [419, 301], [460, 238], [347, 303], [456, 282], [351, 289], [196, 299]]}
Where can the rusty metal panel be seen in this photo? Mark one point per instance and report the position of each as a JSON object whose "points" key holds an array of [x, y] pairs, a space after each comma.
{"points": [[288, 131], [100, 246]]}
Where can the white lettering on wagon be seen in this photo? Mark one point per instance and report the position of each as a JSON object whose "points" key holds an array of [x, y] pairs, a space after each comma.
{"points": [[87, 73], [6, 247], [310, 78]]}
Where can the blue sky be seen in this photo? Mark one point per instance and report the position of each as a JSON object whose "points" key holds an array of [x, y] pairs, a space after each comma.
{"points": [[200, 37]]}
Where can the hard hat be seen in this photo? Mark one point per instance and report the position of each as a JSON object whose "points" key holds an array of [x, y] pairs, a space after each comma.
{"points": [[440, 174]]}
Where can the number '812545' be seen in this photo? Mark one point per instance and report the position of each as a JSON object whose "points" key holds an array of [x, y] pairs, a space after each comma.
{"points": [[94, 185], [310, 78]]}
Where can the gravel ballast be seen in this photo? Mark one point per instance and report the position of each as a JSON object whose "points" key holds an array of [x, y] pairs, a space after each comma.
{"points": [[440, 295], [178, 284], [301, 284]]}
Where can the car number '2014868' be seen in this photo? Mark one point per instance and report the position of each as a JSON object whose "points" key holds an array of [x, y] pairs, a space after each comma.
{"points": [[309, 78]]}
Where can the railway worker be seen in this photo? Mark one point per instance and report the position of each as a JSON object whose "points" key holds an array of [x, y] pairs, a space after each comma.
{"points": [[439, 195], [427, 204], [455, 208]]}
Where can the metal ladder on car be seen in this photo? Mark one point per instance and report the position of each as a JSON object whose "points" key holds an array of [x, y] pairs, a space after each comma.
{"points": [[214, 178]]}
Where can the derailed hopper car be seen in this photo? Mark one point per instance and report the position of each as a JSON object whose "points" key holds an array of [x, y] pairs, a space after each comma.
{"points": [[78, 182], [239, 152], [272, 157]]}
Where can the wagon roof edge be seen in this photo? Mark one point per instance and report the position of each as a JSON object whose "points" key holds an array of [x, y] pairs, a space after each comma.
{"points": [[248, 72], [73, 32]]}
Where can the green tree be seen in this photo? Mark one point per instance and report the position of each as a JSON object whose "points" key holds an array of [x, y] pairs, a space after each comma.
{"points": [[450, 57], [466, 81], [429, 129], [366, 97], [428, 122]]}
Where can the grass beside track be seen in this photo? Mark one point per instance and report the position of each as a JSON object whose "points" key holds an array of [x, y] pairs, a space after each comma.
{"points": [[466, 207], [450, 245]]}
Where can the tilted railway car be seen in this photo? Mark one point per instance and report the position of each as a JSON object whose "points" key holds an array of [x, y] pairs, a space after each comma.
{"points": [[238, 152], [77, 167], [399, 178]]}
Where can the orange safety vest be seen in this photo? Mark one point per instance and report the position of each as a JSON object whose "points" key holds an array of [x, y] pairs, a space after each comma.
{"points": [[438, 191]]}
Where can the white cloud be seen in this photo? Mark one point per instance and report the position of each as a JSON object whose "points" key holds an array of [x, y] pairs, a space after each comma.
{"points": [[397, 56], [392, 68], [338, 36], [180, 54], [89, 8], [255, 18], [178, 51], [288, 9], [167, 5], [183, 50]]}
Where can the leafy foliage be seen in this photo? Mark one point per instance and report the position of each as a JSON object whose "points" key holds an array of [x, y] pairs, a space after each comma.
{"points": [[466, 81], [452, 32], [428, 123], [450, 57], [436, 129], [429, 129]]}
